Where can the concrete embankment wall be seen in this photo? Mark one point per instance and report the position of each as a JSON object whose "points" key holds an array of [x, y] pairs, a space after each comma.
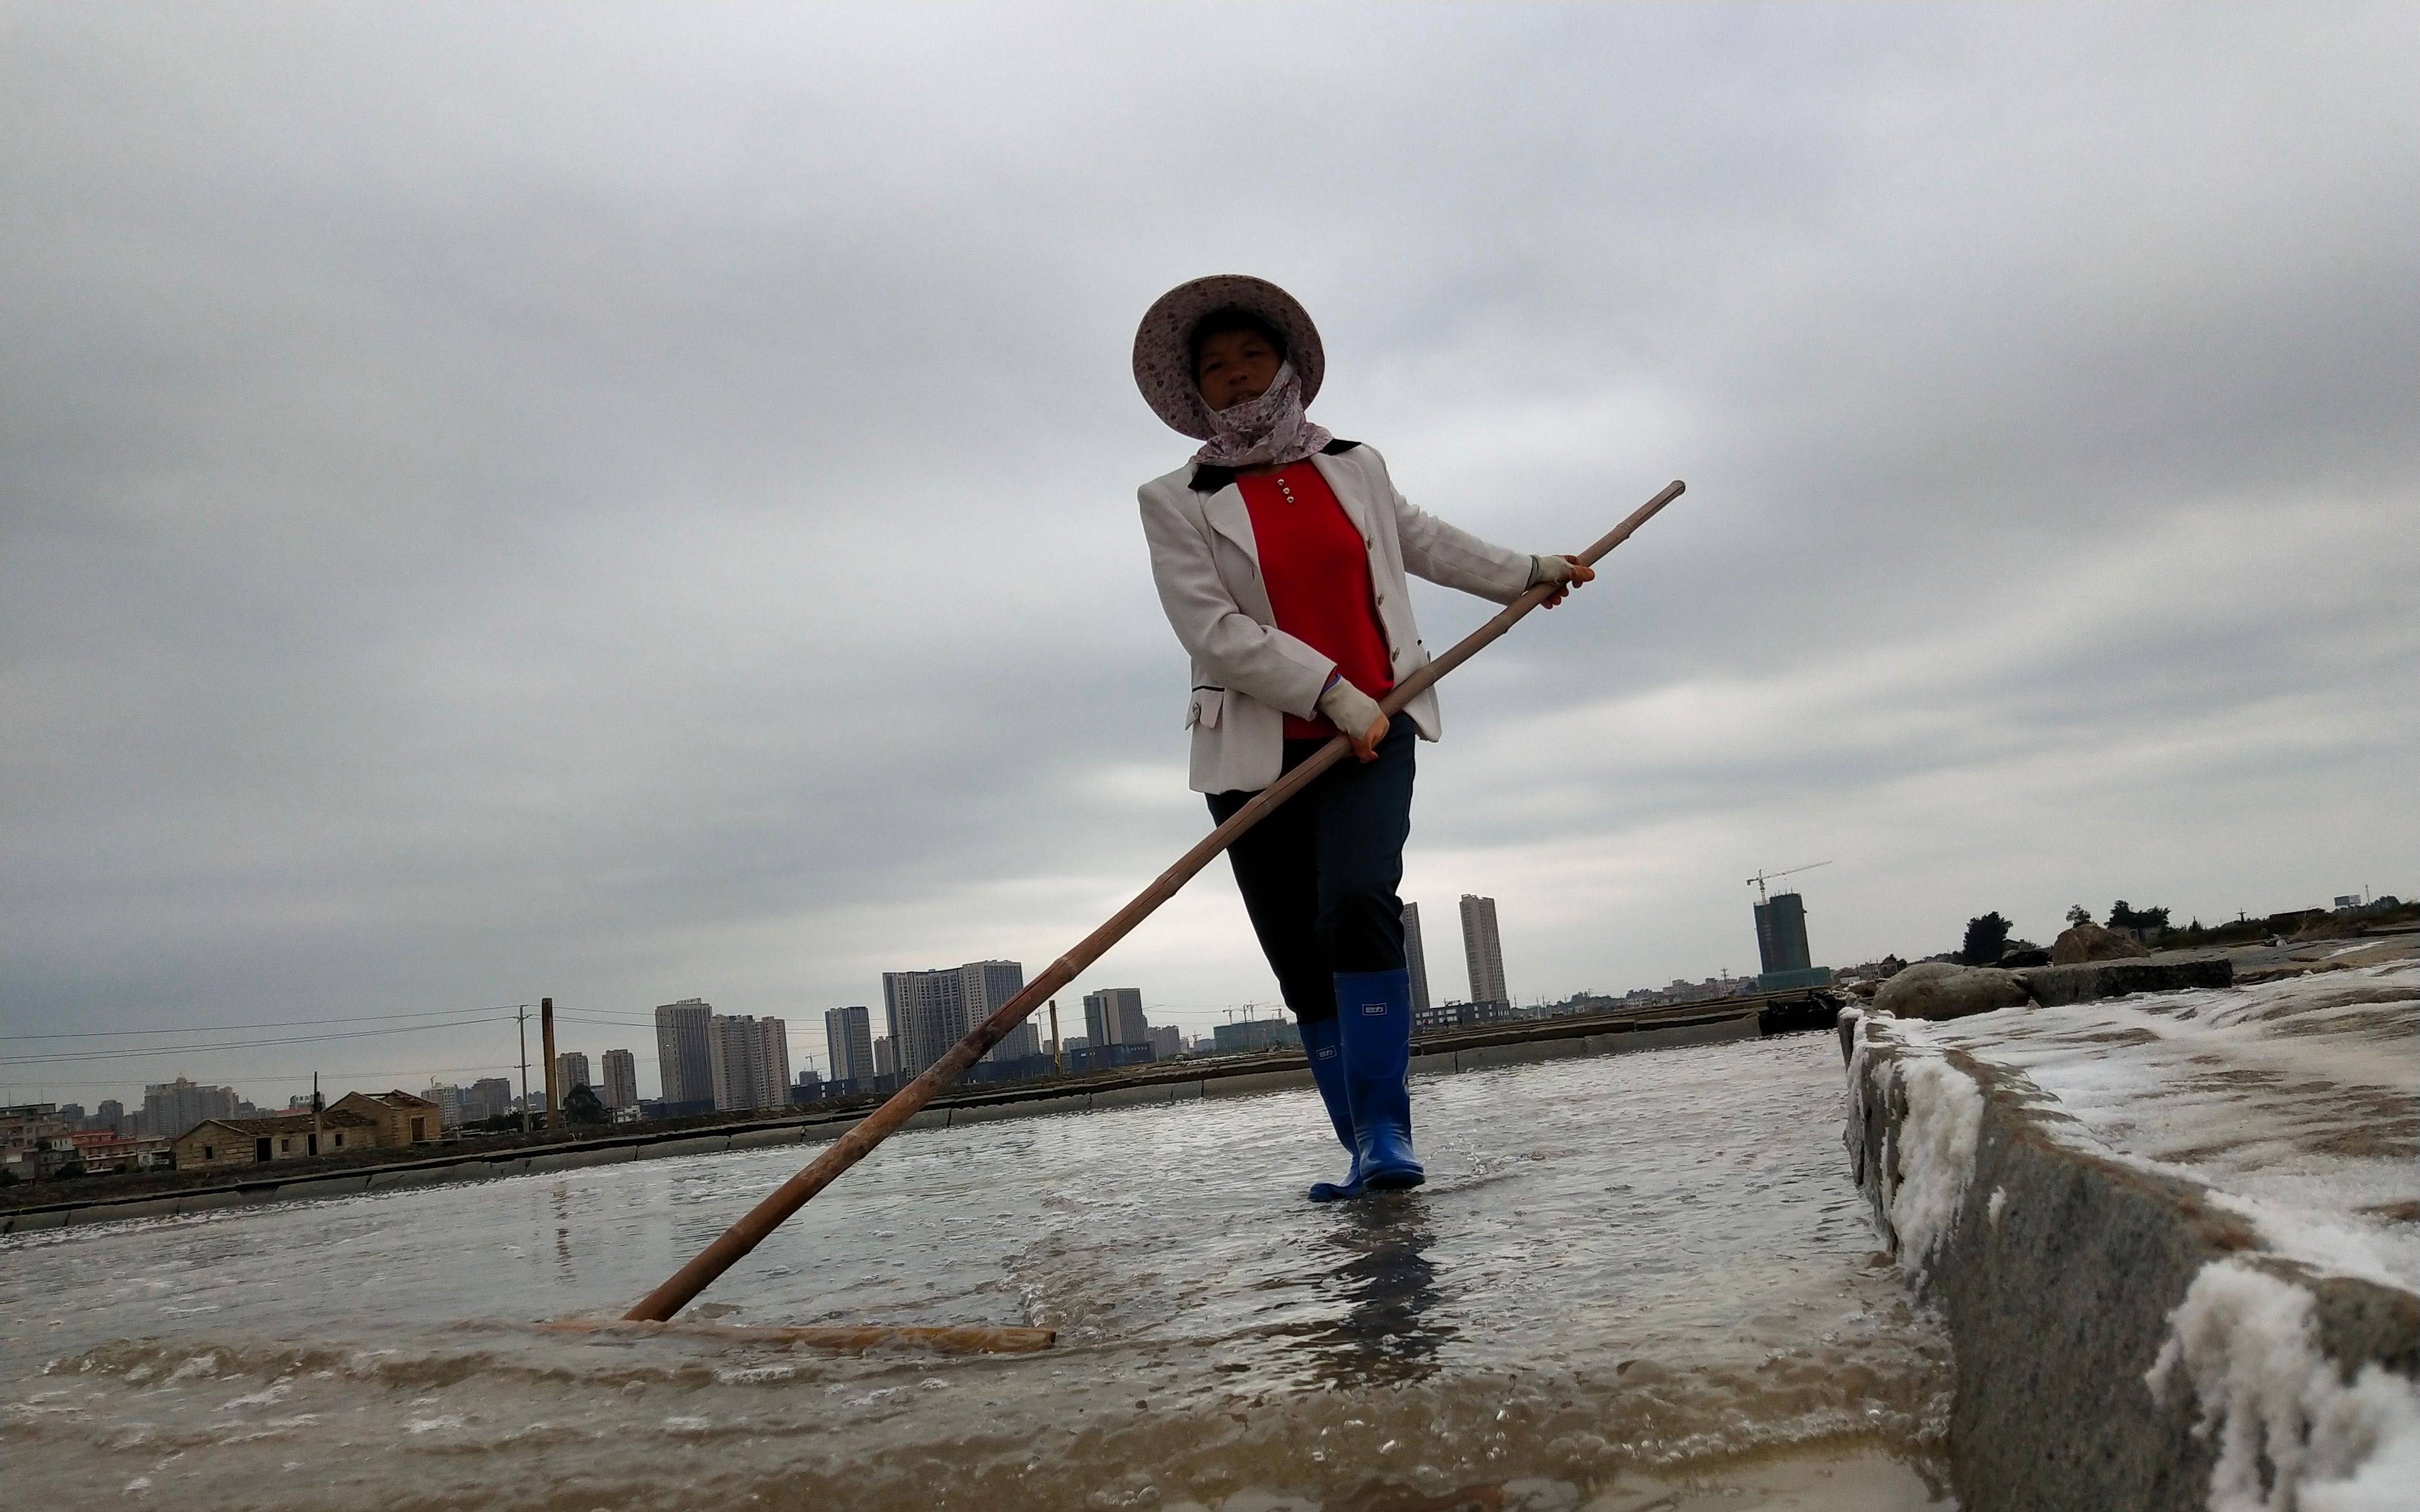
{"points": [[2064, 1274], [1510, 1045]]}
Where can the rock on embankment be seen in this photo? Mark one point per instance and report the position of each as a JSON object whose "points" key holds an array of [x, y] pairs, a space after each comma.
{"points": [[2122, 1340], [2089, 941], [1938, 990]]}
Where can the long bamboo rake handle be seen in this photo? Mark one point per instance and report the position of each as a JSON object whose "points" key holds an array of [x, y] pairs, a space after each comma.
{"points": [[878, 1125]]}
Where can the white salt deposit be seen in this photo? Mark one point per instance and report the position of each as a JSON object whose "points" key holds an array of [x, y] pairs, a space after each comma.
{"points": [[1932, 1161], [2291, 1433], [2298, 1100], [1936, 1157]]}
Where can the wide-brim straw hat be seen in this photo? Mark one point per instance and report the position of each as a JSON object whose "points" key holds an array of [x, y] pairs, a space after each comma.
{"points": [[1163, 356]]}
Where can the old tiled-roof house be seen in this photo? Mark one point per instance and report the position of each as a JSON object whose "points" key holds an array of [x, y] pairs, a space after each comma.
{"points": [[401, 1118], [281, 1137]]}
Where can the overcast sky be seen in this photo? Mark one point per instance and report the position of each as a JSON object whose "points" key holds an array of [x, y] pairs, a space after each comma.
{"points": [[637, 503]]}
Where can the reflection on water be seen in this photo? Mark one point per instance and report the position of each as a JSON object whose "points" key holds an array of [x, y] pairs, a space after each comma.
{"points": [[1630, 1282], [1384, 1288]]}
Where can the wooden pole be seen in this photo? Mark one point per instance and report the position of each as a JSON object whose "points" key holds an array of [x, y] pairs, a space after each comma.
{"points": [[854, 1338], [522, 1018], [546, 1046], [750, 1230]]}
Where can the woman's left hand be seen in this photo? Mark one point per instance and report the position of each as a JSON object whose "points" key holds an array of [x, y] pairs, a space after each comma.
{"points": [[1565, 573]]}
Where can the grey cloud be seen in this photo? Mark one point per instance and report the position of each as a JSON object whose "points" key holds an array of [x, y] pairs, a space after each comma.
{"points": [[641, 504]]}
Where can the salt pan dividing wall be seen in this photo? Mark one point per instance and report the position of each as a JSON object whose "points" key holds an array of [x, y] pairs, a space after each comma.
{"points": [[2124, 1337]]}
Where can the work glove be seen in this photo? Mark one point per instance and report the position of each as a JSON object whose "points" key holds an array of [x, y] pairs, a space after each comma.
{"points": [[1562, 572], [1357, 717]]}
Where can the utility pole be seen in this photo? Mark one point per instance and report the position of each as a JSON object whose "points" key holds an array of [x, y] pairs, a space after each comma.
{"points": [[520, 1016], [546, 1047]]}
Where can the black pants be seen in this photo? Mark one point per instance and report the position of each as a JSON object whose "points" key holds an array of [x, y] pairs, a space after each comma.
{"points": [[1319, 875]]}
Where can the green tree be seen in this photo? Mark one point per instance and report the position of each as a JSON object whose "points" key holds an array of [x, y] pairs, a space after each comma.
{"points": [[1986, 937], [584, 1108], [2121, 915], [2078, 914]]}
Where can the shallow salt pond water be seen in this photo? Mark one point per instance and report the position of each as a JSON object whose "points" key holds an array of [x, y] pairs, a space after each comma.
{"points": [[1634, 1281]]}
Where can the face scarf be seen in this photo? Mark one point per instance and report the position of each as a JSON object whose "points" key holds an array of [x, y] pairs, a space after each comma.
{"points": [[1270, 430]]}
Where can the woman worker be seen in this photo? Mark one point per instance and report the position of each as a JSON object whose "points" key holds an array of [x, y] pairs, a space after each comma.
{"points": [[1279, 553]]}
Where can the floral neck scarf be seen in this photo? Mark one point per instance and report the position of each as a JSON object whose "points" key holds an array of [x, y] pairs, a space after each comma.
{"points": [[1270, 430]]}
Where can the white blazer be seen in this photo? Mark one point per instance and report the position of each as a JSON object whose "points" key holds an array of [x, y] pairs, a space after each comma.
{"points": [[1247, 675]]}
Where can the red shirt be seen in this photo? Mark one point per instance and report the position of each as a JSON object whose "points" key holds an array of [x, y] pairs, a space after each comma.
{"points": [[1316, 568]]}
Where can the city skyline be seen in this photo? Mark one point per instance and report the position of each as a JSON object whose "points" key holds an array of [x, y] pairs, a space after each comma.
{"points": [[1196, 1020], [181, 1101]]}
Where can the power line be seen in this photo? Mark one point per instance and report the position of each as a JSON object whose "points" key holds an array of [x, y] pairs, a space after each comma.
{"points": [[73, 1056], [267, 1075], [273, 1023]]}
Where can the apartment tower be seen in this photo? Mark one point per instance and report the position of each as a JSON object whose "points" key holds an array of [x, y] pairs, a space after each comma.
{"points": [[621, 1086], [683, 1059], [749, 1062], [931, 1011], [1482, 951], [848, 1040], [1113, 1015], [1416, 958]]}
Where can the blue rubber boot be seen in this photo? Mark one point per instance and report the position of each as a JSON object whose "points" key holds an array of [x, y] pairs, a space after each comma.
{"points": [[1321, 1042], [1374, 1010]]}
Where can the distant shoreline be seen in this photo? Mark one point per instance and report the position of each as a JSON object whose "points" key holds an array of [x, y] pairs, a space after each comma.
{"points": [[1518, 1041]]}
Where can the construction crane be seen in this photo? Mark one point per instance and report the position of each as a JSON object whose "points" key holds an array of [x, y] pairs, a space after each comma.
{"points": [[1759, 880]]}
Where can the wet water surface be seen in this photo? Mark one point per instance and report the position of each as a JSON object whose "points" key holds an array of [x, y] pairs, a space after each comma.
{"points": [[1638, 1281]]}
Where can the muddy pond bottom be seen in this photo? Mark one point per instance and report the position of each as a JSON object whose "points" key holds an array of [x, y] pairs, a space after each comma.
{"points": [[1632, 1281]]}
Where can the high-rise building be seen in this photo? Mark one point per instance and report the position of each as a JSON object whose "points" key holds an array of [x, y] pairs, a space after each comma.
{"points": [[1781, 934], [449, 1103], [926, 1014], [773, 1037], [1114, 1015], [1416, 958], [1167, 1041], [747, 1062], [1017, 1043], [489, 1097], [110, 1114], [571, 1069], [848, 1040], [1782, 946], [1482, 949], [620, 1088], [886, 1059], [683, 1059], [172, 1108], [931, 1011]]}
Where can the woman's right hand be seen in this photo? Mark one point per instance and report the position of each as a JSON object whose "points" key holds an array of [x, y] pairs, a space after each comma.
{"points": [[1565, 573], [1349, 710]]}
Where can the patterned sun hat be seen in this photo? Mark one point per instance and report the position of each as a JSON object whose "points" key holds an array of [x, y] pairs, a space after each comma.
{"points": [[1163, 360]]}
